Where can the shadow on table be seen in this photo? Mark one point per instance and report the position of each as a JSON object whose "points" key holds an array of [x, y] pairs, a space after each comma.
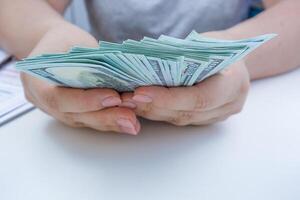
{"points": [[157, 143]]}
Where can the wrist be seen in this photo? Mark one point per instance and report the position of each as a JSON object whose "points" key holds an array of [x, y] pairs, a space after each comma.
{"points": [[73, 35], [61, 37], [222, 35]]}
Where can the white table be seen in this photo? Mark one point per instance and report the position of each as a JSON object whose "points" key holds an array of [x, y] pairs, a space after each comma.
{"points": [[254, 155]]}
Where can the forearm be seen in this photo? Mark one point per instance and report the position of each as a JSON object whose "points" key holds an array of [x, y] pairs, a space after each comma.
{"points": [[25, 23], [280, 54]]}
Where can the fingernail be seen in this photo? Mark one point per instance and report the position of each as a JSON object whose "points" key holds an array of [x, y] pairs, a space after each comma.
{"points": [[111, 101], [142, 98], [128, 104], [126, 126]]}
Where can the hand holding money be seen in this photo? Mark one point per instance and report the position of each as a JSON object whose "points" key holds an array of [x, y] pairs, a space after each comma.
{"points": [[94, 108], [167, 62], [210, 101]]}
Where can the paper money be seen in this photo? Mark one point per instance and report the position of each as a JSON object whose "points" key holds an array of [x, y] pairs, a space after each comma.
{"points": [[165, 61]]}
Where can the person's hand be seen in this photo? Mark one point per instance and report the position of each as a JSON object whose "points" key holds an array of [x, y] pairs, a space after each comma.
{"points": [[210, 101], [94, 108]]}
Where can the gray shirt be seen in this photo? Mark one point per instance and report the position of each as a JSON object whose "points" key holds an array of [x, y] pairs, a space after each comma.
{"points": [[117, 20]]}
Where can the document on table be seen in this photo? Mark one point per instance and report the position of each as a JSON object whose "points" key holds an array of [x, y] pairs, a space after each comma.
{"points": [[12, 100]]}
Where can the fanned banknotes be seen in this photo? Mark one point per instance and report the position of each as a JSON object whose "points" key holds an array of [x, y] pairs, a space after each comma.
{"points": [[165, 61]]}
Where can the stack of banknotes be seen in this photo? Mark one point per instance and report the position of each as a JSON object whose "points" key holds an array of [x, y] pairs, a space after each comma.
{"points": [[165, 61]]}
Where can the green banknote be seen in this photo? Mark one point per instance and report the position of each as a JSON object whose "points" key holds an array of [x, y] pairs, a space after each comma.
{"points": [[166, 61]]}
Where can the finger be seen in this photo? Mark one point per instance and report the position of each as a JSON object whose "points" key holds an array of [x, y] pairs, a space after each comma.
{"points": [[146, 110], [111, 119], [218, 114], [67, 99], [127, 100], [182, 117], [149, 111], [78, 100], [210, 94]]}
